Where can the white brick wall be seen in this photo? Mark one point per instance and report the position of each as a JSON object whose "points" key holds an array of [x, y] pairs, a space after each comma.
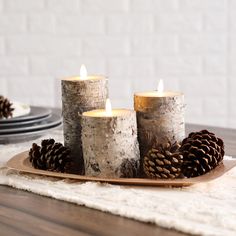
{"points": [[190, 44]]}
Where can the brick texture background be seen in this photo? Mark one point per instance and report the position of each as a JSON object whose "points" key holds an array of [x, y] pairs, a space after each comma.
{"points": [[189, 44]]}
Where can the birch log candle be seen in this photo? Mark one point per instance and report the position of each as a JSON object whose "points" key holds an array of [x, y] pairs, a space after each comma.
{"points": [[160, 116], [80, 94], [110, 144]]}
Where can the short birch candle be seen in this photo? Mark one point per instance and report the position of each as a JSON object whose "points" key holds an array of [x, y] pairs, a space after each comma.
{"points": [[110, 144], [79, 94], [160, 116]]}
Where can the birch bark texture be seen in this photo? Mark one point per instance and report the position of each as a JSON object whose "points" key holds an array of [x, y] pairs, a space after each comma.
{"points": [[79, 96], [159, 118], [110, 145]]}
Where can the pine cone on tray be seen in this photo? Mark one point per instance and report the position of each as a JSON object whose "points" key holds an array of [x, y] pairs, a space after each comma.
{"points": [[6, 108], [163, 161], [129, 168], [50, 156], [202, 152]]}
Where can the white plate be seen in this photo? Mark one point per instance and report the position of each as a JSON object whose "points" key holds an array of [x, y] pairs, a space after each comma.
{"points": [[20, 109]]}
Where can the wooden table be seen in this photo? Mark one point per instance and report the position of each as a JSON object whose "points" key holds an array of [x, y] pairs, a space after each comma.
{"points": [[23, 213]]}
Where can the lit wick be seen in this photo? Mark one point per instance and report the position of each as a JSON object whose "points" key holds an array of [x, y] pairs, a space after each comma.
{"points": [[160, 87], [83, 72], [108, 107]]}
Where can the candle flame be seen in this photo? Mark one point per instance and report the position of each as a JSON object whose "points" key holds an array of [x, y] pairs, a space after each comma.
{"points": [[108, 107], [83, 72], [160, 87]]}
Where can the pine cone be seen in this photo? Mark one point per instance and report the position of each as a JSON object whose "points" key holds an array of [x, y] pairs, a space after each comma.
{"points": [[50, 156], [129, 168], [5, 108], [163, 161], [202, 152]]}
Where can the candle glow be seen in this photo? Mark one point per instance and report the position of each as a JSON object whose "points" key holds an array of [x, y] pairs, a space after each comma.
{"points": [[108, 107], [83, 72], [160, 87]]}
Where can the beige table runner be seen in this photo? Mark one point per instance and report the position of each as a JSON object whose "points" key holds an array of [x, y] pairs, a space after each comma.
{"points": [[205, 209]]}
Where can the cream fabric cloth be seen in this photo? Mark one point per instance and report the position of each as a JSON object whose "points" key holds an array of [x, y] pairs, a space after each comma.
{"points": [[205, 209]]}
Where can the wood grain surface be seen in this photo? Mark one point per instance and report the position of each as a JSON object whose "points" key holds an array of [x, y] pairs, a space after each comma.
{"points": [[23, 213]]}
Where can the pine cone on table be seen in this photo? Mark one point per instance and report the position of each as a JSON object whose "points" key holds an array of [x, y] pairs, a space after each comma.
{"points": [[163, 161], [202, 152], [6, 108], [50, 156]]}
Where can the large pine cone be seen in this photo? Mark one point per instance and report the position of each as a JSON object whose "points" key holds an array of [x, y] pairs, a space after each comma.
{"points": [[163, 161], [50, 156], [6, 108], [202, 152]]}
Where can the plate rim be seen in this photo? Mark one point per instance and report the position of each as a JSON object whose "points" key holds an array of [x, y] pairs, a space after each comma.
{"points": [[25, 122], [31, 128], [220, 170], [47, 111], [26, 136]]}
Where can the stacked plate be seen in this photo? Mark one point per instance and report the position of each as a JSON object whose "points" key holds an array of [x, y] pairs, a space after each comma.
{"points": [[28, 122]]}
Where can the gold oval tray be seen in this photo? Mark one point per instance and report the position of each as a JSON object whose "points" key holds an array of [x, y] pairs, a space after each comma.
{"points": [[20, 162]]}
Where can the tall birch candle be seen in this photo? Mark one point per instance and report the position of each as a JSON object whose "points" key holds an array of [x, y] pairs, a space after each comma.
{"points": [[160, 116], [110, 144], [80, 94]]}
